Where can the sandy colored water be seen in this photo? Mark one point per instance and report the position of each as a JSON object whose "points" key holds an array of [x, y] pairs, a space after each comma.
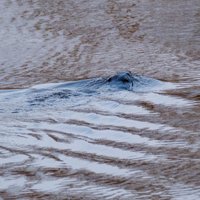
{"points": [[124, 145]]}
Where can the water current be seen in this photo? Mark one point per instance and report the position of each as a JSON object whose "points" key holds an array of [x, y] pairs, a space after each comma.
{"points": [[62, 136]]}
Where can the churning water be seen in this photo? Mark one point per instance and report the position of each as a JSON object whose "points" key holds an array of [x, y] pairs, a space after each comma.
{"points": [[70, 128]]}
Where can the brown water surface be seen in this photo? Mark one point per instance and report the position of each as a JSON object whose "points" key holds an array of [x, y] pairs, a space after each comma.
{"points": [[122, 145]]}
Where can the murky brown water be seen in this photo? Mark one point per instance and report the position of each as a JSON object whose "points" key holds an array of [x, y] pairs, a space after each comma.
{"points": [[122, 145]]}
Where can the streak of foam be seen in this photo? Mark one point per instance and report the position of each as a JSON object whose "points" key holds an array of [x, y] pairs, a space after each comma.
{"points": [[83, 188], [166, 100], [115, 107], [93, 134], [76, 145], [180, 191], [15, 159], [155, 98], [9, 183], [83, 164], [98, 119]]}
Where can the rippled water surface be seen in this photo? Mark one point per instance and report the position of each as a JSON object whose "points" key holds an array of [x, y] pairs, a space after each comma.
{"points": [[58, 141]]}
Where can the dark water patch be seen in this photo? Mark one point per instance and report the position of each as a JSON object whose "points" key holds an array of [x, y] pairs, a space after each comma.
{"points": [[51, 94]]}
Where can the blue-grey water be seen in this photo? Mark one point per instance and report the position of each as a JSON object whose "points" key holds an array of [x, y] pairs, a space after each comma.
{"points": [[68, 131]]}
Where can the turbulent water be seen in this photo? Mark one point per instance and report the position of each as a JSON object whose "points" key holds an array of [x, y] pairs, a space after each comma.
{"points": [[65, 134]]}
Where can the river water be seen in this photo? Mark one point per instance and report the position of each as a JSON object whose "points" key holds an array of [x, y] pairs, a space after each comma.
{"points": [[142, 144]]}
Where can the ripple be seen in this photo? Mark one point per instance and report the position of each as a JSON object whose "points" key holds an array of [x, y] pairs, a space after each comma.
{"points": [[61, 140]]}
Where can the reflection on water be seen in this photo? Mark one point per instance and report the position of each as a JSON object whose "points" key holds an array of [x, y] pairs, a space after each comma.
{"points": [[58, 141]]}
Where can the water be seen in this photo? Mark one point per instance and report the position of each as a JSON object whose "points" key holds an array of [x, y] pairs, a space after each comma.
{"points": [[57, 142]]}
